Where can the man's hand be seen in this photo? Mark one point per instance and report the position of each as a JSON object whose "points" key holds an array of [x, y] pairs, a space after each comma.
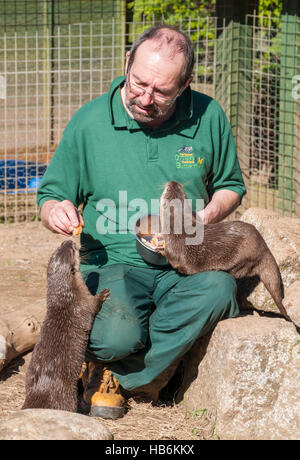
{"points": [[223, 203], [61, 216]]}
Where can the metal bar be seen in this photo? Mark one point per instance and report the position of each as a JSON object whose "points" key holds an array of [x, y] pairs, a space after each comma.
{"points": [[289, 67]]}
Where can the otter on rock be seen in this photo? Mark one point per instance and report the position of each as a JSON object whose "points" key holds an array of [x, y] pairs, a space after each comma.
{"points": [[51, 379], [235, 247]]}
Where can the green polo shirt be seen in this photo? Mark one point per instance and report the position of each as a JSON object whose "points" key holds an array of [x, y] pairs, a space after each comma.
{"points": [[117, 167]]}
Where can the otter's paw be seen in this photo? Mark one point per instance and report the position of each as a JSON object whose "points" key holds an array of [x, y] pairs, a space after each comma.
{"points": [[103, 294]]}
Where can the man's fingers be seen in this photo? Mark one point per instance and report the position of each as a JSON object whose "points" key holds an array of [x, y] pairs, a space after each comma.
{"points": [[72, 214], [64, 217], [58, 218], [57, 228]]}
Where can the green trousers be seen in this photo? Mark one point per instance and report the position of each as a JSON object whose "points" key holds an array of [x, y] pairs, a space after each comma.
{"points": [[154, 316]]}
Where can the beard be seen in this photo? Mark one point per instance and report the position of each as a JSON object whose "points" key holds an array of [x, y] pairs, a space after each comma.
{"points": [[153, 111]]}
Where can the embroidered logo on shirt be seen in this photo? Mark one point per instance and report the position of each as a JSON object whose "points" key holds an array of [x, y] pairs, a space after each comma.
{"points": [[186, 158]]}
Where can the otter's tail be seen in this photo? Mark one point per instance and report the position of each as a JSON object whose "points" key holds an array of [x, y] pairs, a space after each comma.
{"points": [[271, 277]]}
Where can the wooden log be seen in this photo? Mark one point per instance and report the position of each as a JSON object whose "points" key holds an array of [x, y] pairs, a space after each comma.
{"points": [[19, 331]]}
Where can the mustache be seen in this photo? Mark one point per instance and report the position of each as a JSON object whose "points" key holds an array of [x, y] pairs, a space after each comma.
{"points": [[156, 111], [137, 102]]}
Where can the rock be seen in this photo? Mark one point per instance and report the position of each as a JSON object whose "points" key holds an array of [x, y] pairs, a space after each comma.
{"points": [[282, 235], [19, 331], [47, 424], [292, 301], [248, 378]]}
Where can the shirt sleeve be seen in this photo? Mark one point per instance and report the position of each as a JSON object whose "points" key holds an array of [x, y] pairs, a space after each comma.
{"points": [[225, 172], [61, 179]]}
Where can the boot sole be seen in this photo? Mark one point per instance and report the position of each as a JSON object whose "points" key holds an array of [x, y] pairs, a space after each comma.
{"points": [[109, 412]]}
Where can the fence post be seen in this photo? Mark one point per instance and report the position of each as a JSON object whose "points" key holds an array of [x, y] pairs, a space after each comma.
{"points": [[233, 80], [289, 125], [47, 78]]}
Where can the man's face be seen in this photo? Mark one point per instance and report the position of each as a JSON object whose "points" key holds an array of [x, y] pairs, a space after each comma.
{"points": [[153, 83]]}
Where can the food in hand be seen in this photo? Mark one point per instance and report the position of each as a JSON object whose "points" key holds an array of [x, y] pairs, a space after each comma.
{"points": [[77, 230]]}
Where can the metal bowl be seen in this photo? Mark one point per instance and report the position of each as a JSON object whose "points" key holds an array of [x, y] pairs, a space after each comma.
{"points": [[148, 224]]}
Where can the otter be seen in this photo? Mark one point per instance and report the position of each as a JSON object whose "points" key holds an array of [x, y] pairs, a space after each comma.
{"points": [[54, 369], [235, 247]]}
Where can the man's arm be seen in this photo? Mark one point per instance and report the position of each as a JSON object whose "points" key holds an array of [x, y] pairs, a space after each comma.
{"points": [[225, 184], [223, 203], [60, 216], [58, 194]]}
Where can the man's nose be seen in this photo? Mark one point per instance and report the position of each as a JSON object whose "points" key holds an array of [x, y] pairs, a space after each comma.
{"points": [[146, 98]]}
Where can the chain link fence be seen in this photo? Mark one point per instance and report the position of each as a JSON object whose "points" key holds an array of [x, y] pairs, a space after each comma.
{"points": [[48, 71]]}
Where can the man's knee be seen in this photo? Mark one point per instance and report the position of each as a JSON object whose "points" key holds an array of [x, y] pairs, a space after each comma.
{"points": [[223, 292], [224, 283], [115, 345]]}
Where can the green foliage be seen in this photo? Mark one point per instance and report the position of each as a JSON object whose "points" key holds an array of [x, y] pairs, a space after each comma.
{"points": [[273, 6], [267, 87], [268, 56], [190, 15], [167, 8], [271, 11]]}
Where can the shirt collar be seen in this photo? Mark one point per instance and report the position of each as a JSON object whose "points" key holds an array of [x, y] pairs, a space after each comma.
{"points": [[182, 120]]}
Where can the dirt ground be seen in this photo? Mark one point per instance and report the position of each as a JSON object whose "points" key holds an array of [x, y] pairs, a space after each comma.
{"points": [[24, 253]]}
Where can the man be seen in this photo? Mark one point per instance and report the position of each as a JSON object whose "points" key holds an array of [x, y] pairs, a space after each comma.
{"points": [[148, 129]]}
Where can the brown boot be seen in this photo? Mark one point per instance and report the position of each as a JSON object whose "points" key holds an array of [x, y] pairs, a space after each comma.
{"points": [[102, 392], [150, 391]]}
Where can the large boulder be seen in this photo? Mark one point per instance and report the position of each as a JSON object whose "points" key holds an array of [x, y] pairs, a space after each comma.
{"points": [[47, 424], [19, 330], [247, 375], [282, 235]]}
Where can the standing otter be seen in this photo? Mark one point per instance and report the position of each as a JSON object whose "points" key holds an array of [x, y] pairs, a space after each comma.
{"points": [[51, 380], [234, 247]]}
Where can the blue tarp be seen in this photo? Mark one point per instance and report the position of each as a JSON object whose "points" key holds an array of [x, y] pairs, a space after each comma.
{"points": [[20, 175]]}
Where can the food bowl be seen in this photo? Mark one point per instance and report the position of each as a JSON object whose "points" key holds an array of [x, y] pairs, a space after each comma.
{"points": [[147, 227]]}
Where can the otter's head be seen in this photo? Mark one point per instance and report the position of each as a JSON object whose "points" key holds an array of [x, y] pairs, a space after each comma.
{"points": [[172, 191], [64, 262], [172, 205]]}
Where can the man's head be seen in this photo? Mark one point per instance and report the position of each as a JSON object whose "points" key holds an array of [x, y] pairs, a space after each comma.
{"points": [[158, 69]]}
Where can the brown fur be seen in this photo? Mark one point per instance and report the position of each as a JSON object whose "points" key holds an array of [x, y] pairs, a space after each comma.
{"points": [[51, 379], [235, 247]]}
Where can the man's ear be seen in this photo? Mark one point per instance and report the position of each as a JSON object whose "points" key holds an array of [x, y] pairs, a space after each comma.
{"points": [[127, 60], [188, 83]]}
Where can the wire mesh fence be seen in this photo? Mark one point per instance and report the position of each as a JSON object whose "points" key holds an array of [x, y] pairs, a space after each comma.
{"points": [[47, 73], [20, 15], [48, 77], [273, 165]]}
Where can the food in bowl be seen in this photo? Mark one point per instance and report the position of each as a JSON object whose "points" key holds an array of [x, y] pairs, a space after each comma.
{"points": [[148, 230], [149, 242], [153, 242]]}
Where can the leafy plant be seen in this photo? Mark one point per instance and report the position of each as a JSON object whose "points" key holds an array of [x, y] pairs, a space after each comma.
{"points": [[192, 17], [271, 8], [265, 125]]}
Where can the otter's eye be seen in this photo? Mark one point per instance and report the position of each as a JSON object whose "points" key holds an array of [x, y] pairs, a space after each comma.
{"points": [[73, 270]]}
